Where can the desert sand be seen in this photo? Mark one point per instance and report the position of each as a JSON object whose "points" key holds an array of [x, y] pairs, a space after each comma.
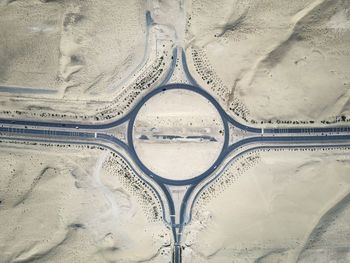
{"points": [[273, 61], [281, 206], [267, 63], [74, 49], [74, 59], [72, 205]]}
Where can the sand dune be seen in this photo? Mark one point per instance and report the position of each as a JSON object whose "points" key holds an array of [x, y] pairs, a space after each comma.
{"points": [[69, 46], [286, 207], [275, 60], [74, 209]]}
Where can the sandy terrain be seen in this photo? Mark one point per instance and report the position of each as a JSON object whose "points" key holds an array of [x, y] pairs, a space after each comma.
{"points": [[83, 60], [278, 61], [68, 46], [66, 58], [267, 62], [286, 206], [183, 114], [75, 205]]}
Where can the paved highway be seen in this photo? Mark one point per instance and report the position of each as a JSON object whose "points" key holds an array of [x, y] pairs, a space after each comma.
{"points": [[99, 134], [99, 131]]}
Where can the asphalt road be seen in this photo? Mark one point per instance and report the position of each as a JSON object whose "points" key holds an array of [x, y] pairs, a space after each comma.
{"points": [[98, 131], [97, 134]]}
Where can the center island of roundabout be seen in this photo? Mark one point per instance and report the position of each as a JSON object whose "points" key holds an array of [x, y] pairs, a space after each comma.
{"points": [[172, 129], [178, 139]]}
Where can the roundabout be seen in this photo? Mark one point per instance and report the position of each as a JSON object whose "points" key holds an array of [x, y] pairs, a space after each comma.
{"points": [[178, 137], [177, 134]]}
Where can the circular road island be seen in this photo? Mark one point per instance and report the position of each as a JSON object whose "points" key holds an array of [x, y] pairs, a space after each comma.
{"points": [[177, 134]]}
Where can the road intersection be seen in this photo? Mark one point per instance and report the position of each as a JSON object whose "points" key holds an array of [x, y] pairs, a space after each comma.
{"points": [[176, 213]]}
